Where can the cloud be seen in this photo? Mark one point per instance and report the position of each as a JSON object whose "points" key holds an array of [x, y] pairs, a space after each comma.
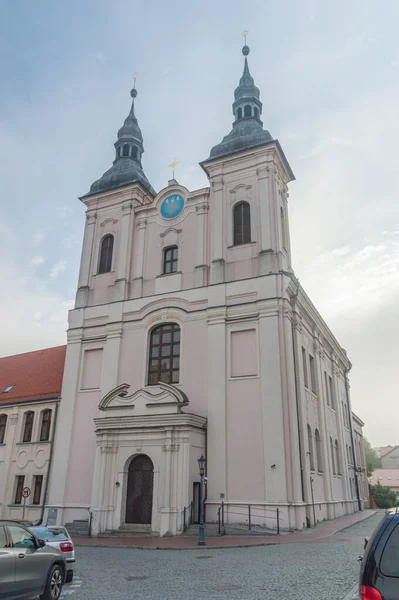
{"points": [[359, 42], [64, 211], [98, 56], [37, 260], [57, 268], [70, 241]]}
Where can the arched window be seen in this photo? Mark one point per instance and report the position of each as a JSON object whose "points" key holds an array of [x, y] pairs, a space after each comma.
{"points": [[332, 456], [45, 426], [256, 112], [164, 355], [337, 458], [118, 152], [28, 426], [242, 223], [239, 113], [247, 110], [107, 246], [318, 451], [170, 259], [134, 151], [3, 425], [283, 228], [310, 445], [125, 150]]}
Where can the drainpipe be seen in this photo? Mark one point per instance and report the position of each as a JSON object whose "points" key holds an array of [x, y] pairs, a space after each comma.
{"points": [[348, 399], [50, 460], [292, 302]]}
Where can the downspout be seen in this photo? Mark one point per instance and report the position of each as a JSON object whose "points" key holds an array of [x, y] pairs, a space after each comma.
{"points": [[292, 300], [50, 460], [348, 399]]}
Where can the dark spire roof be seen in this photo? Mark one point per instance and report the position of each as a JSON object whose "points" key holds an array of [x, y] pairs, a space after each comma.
{"points": [[127, 166], [247, 128]]}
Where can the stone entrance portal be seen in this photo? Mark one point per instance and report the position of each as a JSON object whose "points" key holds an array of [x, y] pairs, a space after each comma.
{"points": [[140, 486]]}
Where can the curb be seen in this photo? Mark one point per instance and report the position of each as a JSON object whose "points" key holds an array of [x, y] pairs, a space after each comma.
{"points": [[238, 545]]}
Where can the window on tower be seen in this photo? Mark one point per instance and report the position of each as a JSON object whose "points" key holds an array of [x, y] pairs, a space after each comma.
{"points": [[247, 110], [118, 152], [105, 262], [239, 113], [134, 152], [164, 355], [170, 257], [256, 112], [125, 150], [242, 223]]}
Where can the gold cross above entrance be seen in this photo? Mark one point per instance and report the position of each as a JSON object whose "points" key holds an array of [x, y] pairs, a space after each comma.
{"points": [[174, 164]]}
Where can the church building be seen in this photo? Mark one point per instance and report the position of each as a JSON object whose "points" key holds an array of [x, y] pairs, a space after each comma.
{"points": [[191, 335]]}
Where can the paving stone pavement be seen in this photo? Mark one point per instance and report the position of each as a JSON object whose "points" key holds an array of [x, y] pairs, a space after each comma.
{"points": [[321, 570]]}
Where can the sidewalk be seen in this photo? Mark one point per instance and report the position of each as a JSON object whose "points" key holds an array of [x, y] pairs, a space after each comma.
{"points": [[323, 530]]}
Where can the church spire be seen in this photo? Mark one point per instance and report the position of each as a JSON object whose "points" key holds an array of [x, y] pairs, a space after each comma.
{"points": [[129, 148], [247, 127]]}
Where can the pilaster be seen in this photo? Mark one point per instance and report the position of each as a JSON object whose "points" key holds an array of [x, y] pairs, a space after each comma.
{"points": [[266, 187], [201, 269], [122, 269], [87, 252], [217, 254], [139, 264]]}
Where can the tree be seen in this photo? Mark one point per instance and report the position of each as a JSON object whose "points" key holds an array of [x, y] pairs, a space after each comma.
{"points": [[372, 460], [384, 497]]}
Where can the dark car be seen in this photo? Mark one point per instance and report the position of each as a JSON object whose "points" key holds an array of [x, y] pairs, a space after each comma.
{"points": [[379, 572], [28, 567]]}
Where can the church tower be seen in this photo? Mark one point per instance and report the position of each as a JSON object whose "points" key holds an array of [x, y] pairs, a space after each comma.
{"points": [[190, 336]]}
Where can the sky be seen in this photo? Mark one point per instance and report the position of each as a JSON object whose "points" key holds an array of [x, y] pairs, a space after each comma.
{"points": [[328, 75]]}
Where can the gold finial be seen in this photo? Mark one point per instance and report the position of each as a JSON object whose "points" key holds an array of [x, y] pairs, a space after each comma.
{"points": [[245, 33], [135, 75], [174, 164]]}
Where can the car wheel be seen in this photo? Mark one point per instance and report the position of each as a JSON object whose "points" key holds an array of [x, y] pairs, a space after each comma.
{"points": [[54, 584]]}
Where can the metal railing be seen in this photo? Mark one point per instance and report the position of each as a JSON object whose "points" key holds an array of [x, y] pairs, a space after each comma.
{"points": [[251, 511]]}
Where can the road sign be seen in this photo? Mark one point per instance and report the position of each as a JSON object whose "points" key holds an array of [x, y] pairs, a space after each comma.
{"points": [[26, 492]]}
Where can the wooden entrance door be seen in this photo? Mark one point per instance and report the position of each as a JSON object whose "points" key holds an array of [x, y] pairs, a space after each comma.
{"points": [[140, 485]]}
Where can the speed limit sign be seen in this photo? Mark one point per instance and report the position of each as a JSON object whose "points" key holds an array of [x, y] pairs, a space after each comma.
{"points": [[26, 492]]}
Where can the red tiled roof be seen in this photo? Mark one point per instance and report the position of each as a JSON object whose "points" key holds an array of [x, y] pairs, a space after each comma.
{"points": [[34, 375]]}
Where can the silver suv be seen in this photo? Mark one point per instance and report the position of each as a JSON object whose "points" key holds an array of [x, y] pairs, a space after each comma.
{"points": [[27, 566]]}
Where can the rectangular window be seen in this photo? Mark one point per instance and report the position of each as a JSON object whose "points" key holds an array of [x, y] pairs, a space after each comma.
{"points": [[19, 486], [312, 365], [305, 368], [331, 392], [327, 389], [37, 492], [170, 259]]}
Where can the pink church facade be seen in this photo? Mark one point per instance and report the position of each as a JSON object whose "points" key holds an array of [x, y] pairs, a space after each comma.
{"points": [[191, 335]]}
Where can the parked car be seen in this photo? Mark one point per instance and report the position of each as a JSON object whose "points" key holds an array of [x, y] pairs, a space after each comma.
{"points": [[28, 566], [379, 572], [58, 537]]}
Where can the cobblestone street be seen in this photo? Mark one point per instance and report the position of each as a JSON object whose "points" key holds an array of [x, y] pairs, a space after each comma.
{"points": [[318, 570]]}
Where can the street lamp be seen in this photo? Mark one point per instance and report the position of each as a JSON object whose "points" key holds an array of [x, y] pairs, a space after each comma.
{"points": [[201, 530]]}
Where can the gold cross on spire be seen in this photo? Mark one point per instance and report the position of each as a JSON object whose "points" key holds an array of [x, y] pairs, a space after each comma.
{"points": [[174, 164], [135, 75], [245, 33]]}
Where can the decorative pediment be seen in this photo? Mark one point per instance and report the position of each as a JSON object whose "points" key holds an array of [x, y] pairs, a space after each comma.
{"points": [[156, 399]]}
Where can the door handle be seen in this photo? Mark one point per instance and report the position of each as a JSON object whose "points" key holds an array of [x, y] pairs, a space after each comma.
{"points": [[21, 555]]}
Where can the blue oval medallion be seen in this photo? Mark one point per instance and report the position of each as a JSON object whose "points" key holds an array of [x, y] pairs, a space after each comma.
{"points": [[172, 206]]}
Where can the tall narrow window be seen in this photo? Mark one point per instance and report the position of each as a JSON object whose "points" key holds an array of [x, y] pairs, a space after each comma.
{"points": [[164, 356], [170, 256], [3, 425], [312, 366], [305, 368], [327, 389], [283, 228], [242, 223], [45, 426], [331, 391], [247, 110], [310, 445], [107, 246], [37, 491], [125, 150], [318, 451], [28, 426], [118, 152], [134, 151], [239, 113], [332, 456], [338, 458], [19, 486], [256, 112]]}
